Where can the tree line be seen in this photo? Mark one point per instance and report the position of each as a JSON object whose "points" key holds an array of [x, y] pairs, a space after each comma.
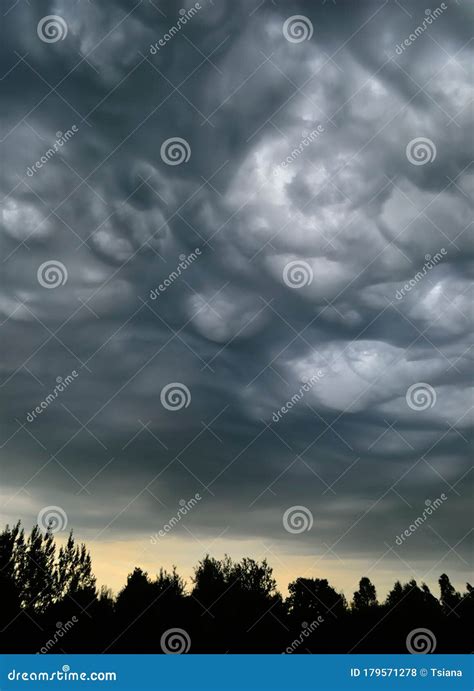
{"points": [[51, 604]]}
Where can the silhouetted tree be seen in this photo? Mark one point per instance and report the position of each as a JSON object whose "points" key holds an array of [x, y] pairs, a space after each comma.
{"points": [[11, 547], [313, 601], [450, 598], [210, 579], [50, 603], [465, 608], [37, 574], [74, 571], [238, 602], [133, 604], [146, 608], [365, 597], [316, 597]]}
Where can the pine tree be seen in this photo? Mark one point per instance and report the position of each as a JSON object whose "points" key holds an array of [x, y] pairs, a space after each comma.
{"points": [[36, 571]]}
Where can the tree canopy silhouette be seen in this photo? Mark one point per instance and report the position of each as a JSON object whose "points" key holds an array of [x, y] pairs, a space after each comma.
{"points": [[51, 604]]}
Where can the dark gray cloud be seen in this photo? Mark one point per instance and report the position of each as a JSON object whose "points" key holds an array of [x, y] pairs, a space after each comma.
{"points": [[270, 201]]}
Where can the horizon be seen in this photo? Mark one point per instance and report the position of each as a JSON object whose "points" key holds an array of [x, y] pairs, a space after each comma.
{"points": [[235, 296], [107, 554]]}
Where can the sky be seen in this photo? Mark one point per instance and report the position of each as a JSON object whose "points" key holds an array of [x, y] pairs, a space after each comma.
{"points": [[236, 261]]}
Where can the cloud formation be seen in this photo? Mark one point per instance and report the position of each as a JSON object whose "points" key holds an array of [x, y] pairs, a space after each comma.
{"points": [[300, 152]]}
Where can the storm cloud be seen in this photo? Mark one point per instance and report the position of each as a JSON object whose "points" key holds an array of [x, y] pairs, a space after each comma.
{"points": [[311, 213]]}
